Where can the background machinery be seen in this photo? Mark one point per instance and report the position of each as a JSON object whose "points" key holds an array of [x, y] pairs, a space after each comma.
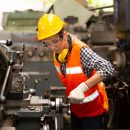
{"points": [[26, 96]]}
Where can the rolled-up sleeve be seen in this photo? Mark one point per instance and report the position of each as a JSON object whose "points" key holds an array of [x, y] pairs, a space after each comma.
{"points": [[90, 60]]}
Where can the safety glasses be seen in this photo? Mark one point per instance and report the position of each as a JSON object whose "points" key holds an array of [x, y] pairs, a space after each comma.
{"points": [[49, 43]]}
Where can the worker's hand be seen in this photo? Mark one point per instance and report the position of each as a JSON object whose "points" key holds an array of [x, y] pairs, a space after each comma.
{"points": [[77, 94]]}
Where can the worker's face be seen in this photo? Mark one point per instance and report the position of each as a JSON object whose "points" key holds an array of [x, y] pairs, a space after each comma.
{"points": [[54, 43]]}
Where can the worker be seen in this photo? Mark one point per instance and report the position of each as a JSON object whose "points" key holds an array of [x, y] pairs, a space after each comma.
{"points": [[81, 71]]}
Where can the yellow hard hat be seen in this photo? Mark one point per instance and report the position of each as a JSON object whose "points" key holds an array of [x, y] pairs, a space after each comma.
{"points": [[49, 25]]}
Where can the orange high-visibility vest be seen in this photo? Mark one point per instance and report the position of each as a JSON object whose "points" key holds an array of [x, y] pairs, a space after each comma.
{"points": [[96, 101]]}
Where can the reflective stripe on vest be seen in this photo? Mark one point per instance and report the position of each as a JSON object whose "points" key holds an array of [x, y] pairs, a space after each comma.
{"points": [[71, 70], [57, 68], [91, 97]]}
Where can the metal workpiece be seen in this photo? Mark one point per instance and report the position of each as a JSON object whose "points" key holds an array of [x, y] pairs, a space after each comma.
{"points": [[56, 105]]}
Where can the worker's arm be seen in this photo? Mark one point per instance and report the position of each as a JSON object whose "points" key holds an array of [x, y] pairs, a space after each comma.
{"points": [[91, 61], [95, 79]]}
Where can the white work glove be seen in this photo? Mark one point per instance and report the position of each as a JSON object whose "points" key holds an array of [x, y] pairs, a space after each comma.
{"points": [[77, 95]]}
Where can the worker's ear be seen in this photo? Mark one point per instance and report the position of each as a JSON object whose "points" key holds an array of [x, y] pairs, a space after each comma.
{"points": [[65, 35]]}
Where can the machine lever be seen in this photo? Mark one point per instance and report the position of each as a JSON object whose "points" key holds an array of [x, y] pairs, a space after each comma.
{"points": [[2, 97]]}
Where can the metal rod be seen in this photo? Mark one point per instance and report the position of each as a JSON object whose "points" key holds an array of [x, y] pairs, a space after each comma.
{"points": [[5, 82], [104, 7]]}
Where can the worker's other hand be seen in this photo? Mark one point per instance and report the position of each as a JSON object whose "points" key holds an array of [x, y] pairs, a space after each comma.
{"points": [[77, 95]]}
